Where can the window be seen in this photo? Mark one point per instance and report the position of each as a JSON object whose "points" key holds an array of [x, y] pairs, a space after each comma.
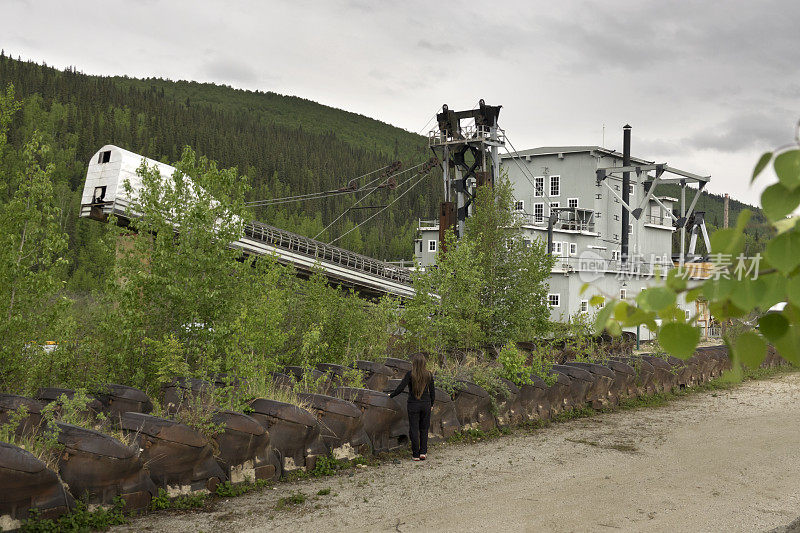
{"points": [[538, 213], [104, 157], [431, 246], [554, 300], [558, 248], [555, 185], [538, 184], [615, 255], [630, 228], [519, 205], [99, 194], [573, 248], [420, 245], [687, 313], [631, 192], [526, 243], [616, 217], [584, 306], [623, 293], [554, 205], [572, 202]]}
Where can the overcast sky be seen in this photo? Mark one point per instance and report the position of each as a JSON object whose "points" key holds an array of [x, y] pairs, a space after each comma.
{"points": [[707, 86]]}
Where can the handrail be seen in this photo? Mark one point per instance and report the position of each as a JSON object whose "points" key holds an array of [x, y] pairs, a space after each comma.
{"points": [[325, 252]]}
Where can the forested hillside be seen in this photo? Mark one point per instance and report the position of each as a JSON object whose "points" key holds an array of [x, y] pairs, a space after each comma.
{"points": [[283, 145]]}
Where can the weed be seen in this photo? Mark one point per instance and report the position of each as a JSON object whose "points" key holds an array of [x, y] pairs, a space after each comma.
{"points": [[227, 489], [80, 519], [324, 492], [184, 501], [328, 465], [295, 498]]}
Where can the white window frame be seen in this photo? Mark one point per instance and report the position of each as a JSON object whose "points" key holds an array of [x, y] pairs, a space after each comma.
{"points": [[432, 245], [538, 186], [623, 294], [555, 185], [519, 206], [631, 189], [538, 218], [570, 201], [558, 247], [553, 296], [527, 243], [554, 205], [573, 248], [615, 255], [584, 308]]}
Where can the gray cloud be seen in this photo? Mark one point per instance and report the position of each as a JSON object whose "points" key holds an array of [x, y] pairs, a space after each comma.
{"points": [[705, 84], [232, 70], [745, 131]]}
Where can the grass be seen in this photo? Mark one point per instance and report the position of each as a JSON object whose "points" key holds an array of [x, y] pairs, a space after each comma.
{"points": [[295, 498], [78, 520]]}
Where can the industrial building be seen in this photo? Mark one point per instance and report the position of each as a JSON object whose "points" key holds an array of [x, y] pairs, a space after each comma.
{"points": [[573, 198]]}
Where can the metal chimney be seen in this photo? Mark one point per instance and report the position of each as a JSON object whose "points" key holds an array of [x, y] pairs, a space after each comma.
{"points": [[626, 185]]}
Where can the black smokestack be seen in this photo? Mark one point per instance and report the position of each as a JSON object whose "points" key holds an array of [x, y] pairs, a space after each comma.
{"points": [[626, 186]]}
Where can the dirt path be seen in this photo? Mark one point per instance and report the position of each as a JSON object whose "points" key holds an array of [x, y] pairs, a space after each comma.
{"points": [[723, 461]]}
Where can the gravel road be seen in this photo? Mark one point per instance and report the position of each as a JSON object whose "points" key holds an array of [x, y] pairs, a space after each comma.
{"points": [[713, 461]]}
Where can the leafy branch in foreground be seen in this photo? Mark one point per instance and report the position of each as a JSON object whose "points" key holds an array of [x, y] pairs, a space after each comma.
{"points": [[753, 285]]}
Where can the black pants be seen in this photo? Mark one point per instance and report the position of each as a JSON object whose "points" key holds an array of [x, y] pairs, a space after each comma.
{"points": [[419, 421]]}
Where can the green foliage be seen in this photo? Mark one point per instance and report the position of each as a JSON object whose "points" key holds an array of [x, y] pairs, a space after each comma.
{"points": [[487, 287], [227, 489], [513, 365], [328, 465], [184, 501], [79, 519], [295, 498], [32, 247], [43, 444], [741, 296], [324, 492]]}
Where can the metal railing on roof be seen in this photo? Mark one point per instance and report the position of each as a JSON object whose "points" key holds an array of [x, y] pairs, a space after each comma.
{"points": [[468, 133], [322, 252]]}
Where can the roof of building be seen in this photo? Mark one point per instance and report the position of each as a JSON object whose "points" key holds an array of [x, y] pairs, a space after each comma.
{"points": [[549, 150]]}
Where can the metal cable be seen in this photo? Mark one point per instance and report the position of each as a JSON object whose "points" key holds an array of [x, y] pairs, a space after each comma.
{"points": [[358, 202], [303, 196], [426, 174]]}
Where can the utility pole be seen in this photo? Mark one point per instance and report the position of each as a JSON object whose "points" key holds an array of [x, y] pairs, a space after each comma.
{"points": [[725, 210]]}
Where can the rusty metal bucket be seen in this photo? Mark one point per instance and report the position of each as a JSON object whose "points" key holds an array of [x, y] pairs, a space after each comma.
{"points": [[342, 427], [473, 407], [178, 457], [380, 415], [118, 399], [294, 433], [399, 367], [99, 467], [375, 374], [244, 447], [534, 401], [26, 484], [11, 402]]}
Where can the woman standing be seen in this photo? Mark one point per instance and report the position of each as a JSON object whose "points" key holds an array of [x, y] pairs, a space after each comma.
{"points": [[420, 402]]}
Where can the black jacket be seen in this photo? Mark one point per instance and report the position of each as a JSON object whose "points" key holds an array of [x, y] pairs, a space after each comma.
{"points": [[428, 395]]}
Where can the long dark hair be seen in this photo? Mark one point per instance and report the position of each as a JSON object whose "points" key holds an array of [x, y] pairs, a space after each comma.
{"points": [[420, 375]]}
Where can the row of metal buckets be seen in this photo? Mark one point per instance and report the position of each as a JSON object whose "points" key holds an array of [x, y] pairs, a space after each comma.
{"points": [[274, 438]]}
